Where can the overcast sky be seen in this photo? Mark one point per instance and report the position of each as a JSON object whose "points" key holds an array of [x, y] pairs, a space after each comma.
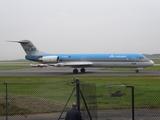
{"points": [[84, 26]]}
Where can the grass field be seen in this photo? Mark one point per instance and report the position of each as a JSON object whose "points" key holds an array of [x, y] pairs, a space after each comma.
{"points": [[11, 65], [54, 91]]}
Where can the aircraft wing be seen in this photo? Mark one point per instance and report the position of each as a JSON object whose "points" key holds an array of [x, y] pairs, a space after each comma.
{"points": [[73, 64]]}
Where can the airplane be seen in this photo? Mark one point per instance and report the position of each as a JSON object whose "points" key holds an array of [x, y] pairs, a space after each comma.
{"points": [[138, 61], [38, 65]]}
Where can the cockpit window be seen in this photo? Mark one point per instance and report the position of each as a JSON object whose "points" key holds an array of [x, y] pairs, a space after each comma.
{"points": [[141, 58]]}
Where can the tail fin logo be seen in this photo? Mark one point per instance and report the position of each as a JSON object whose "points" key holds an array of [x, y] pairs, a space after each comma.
{"points": [[30, 48]]}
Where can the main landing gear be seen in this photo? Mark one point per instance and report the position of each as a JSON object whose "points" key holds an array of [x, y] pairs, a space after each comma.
{"points": [[75, 71]]}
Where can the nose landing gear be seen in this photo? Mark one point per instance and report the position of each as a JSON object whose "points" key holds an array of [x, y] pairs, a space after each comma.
{"points": [[137, 71]]}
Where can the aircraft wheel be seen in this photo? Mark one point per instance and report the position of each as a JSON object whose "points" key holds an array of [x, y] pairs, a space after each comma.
{"points": [[137, 71], [82, 70], [75, 71]]}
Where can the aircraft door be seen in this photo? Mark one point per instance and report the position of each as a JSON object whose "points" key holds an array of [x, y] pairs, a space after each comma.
{"points": [[133, 61], [83, 58]]}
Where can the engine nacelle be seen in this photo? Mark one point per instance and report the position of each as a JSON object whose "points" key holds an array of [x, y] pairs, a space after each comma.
{"points": [[50, 59]]}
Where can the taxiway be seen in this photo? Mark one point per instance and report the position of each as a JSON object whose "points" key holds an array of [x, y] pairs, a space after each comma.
{"points": [[52, 71]]}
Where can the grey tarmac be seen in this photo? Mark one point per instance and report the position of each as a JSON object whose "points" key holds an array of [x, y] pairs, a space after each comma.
{"points": [[54, 71]]}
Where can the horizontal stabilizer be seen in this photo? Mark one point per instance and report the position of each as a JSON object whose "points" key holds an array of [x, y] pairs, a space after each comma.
{"points": [[19, 41], [28, 47]]}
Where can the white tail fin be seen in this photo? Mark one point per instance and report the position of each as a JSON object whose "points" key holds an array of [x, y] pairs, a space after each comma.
{"points": [[28, 47]]}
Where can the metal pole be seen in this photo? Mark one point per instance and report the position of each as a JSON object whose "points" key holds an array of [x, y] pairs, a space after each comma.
{"points": [[77, 93], [86, 105], [6, 100], [132, 87]]}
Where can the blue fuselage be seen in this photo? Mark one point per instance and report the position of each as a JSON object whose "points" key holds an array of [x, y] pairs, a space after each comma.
{"points": [[100, 60]]}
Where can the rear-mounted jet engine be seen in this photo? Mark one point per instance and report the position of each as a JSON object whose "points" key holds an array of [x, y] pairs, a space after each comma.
{"points": [[49, 59]]}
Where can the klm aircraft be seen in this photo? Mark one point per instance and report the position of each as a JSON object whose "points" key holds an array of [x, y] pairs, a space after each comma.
{"points": [[82, 61]]}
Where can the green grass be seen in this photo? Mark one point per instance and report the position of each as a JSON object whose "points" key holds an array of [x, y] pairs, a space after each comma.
{"points": [[56, 90], [156, 61], [11, 65], [133, 69]]}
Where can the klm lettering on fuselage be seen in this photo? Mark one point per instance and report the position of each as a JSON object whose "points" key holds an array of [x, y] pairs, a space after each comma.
{"points": [[30, 48]]}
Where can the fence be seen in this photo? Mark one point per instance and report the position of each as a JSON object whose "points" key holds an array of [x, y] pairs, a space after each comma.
{"points": [[46, 100]]}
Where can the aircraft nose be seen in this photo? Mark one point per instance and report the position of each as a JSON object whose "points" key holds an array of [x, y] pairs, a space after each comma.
{"points": [[151, 62]]}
